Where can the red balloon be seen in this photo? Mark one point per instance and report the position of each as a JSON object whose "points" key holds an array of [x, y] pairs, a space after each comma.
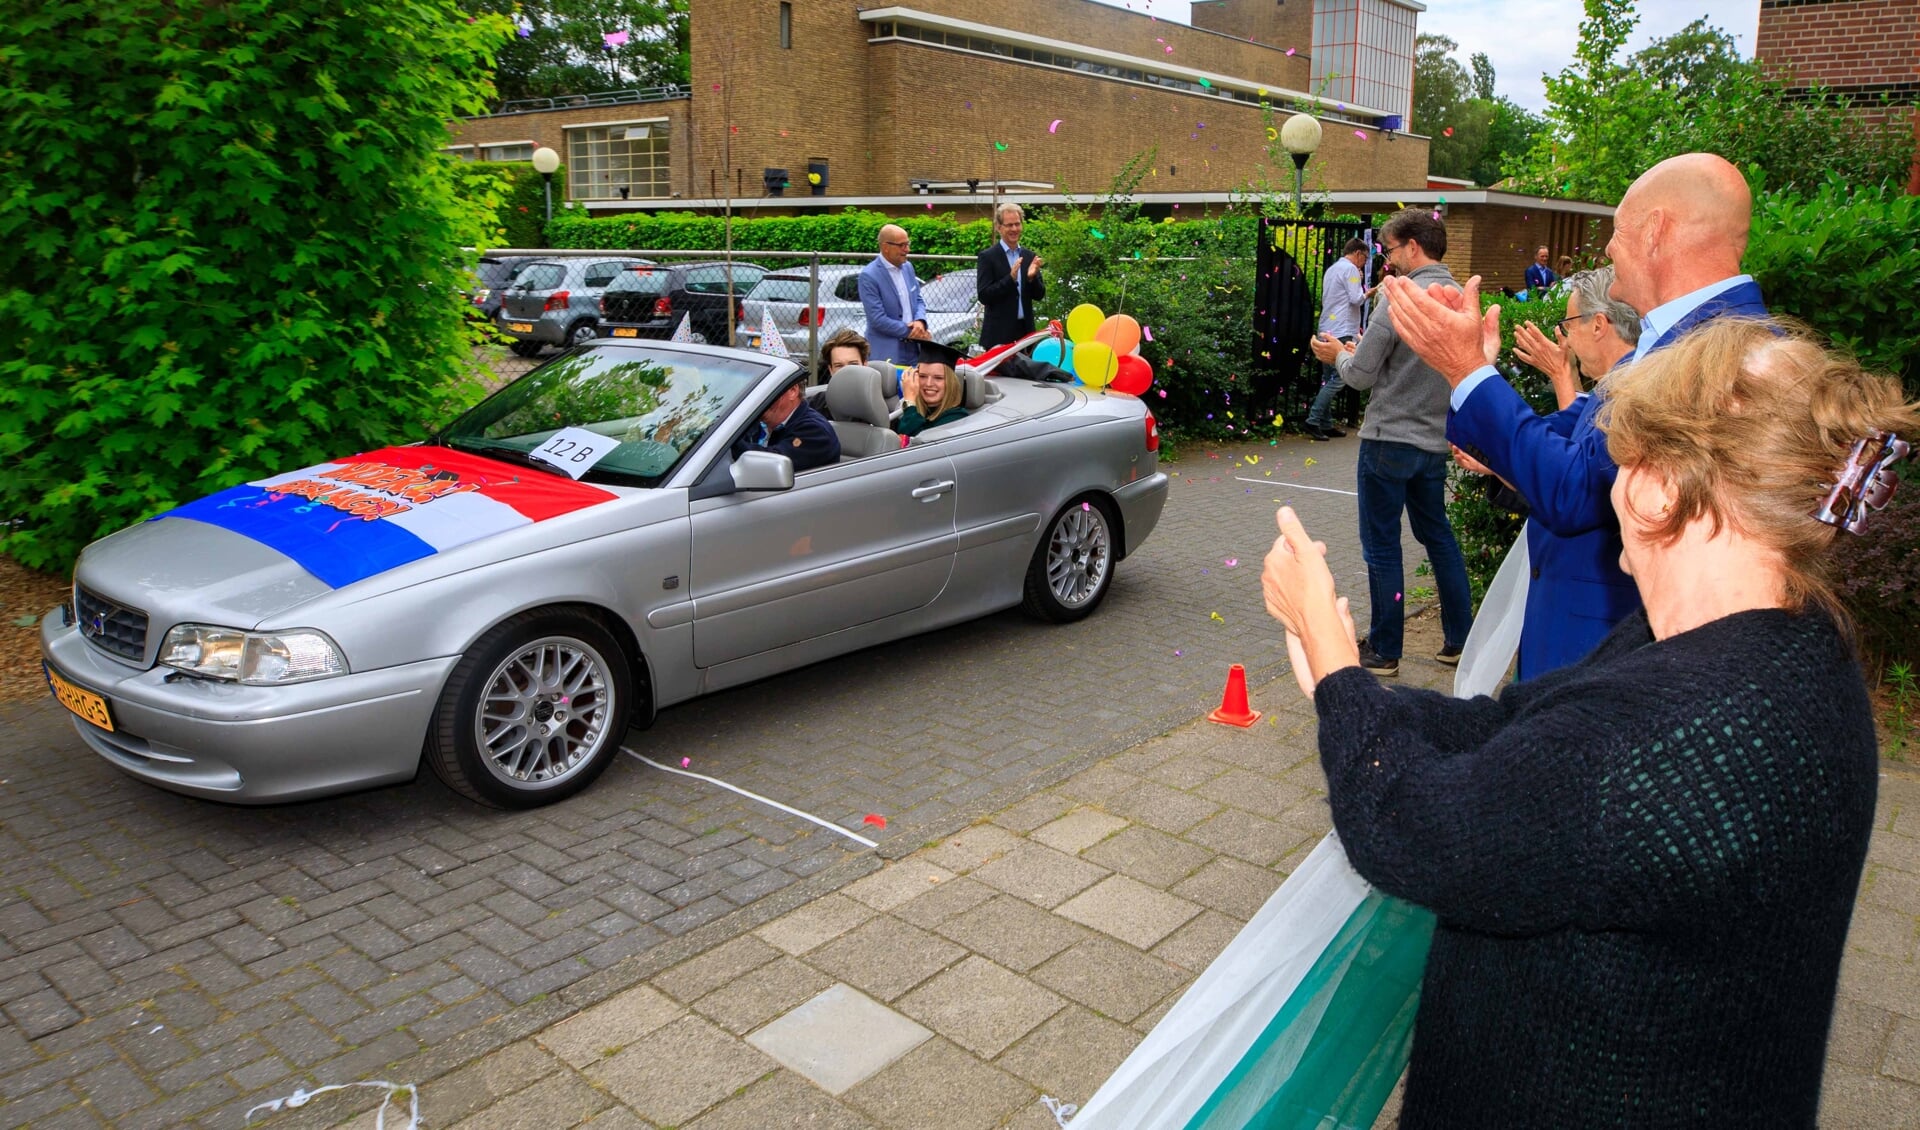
{"points": [[1134, 375]]}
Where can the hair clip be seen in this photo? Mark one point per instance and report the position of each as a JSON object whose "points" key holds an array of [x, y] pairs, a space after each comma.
{"points": [[1866, 482]]}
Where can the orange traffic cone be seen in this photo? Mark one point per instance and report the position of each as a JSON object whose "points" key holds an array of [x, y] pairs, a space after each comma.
{"points": [[1233, 701]]}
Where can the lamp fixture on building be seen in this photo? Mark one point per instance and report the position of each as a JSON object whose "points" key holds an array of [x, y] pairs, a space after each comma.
{"points": [[1390, 123], [775, 180], [1301, 136], [546, 162], [973, 184], [920, 186]]}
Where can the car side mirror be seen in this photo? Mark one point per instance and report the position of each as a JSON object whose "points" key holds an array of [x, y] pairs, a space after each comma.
{"points": [[762, 470]]}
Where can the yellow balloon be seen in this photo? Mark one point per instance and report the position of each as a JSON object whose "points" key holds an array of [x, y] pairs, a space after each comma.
{"points": [[1083, 321], [1095, 364]]}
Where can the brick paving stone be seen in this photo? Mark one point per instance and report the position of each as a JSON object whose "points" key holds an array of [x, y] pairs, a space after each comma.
{"points": [[1194, 946], [677, 1072], [605, 1029], [981, 1006], [1040, 875], [971, 848], [814, 924], [1011, 931], [41, 1013], [757, 997], [558, 1100], [1078, 830], [1111, 978], [472, 1088], [897, 883], [1070, 1055], [1230, 886], [1149, 855], [781, 1099], [1130, 910], [885, 957], [939, 1080]]}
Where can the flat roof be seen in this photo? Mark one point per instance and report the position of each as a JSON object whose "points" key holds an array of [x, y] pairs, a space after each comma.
{"points": [[1374, 200]]}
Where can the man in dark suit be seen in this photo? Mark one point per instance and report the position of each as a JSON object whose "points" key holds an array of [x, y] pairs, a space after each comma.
{"points": [[1678, 236], [792, 428], [1008, 281]]}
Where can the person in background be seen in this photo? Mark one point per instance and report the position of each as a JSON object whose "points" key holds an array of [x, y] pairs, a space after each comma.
{"points": [[845, 347], [1009, 281], [1678, 236], [1539, 275], [1596, 334], [1564, 265], [1642, 865], [932, 393], [1343, 295], [1403, 457], [890, 297]]}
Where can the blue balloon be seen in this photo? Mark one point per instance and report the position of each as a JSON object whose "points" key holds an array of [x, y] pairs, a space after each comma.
{"points": [[1050, 352]]}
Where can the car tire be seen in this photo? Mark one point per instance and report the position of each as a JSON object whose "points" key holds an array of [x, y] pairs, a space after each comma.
{"points": [[1072, 566], [533, 712], [524, 348], [581, 332]]}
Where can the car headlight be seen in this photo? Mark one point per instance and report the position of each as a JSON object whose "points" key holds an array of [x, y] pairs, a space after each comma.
{"points": [[257, 658]]}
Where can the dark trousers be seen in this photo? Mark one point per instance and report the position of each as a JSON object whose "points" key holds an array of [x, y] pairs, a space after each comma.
{"points": [[1319, 416], [1395, 477]]}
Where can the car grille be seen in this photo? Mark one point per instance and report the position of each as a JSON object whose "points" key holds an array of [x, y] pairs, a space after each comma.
{"points": [[109, 627]]}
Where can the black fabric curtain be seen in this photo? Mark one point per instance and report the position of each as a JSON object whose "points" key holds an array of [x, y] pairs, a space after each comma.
{"points": [[1283, 322]]}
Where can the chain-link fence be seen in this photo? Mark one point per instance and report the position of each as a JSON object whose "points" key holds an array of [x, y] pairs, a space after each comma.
{"points": [[539, 301]]}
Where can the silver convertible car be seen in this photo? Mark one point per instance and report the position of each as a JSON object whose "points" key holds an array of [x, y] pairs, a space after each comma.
{"points": [[568, 557]]}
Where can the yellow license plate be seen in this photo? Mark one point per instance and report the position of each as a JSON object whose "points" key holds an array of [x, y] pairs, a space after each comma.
{"points": [[520, 327], [626, 331], [755, 344], [83, 702]]}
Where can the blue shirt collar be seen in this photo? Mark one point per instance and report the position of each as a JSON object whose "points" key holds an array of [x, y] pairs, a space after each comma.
{"points": [[1655, 323]]}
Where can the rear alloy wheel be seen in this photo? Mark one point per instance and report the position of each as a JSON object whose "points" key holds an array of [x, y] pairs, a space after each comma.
{"points": [[535, 710], [581, 333], [525, 348], [1073, 564]]}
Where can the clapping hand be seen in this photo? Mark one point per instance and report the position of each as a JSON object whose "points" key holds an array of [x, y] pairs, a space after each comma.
{"points": [[1443, 325], [1298, 588], [1033, 266]]}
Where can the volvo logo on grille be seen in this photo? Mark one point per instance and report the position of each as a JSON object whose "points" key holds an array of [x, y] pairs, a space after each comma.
{"points": [[93, 627]]}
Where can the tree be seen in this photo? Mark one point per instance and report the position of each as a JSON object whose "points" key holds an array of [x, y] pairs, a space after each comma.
{"points": [[1608, 121], [1474, 132], [232, 246], [1511, 130], [560, 46], [1440, 83], [1482, 76]]}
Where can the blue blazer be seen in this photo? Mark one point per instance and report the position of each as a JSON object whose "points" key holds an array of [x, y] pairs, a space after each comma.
{"points": [[1559, 463], [886, 322]]}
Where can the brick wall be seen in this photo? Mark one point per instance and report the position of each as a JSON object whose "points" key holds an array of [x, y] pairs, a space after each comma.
{"points": [[547, 127], [1280, 25], [1858, 46], [1496, 241]]}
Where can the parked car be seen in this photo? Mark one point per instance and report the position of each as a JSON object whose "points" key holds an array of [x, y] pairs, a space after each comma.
{"points": [[650, 302], [491, 275], [953, 307], [573, 554], [556, 302]]}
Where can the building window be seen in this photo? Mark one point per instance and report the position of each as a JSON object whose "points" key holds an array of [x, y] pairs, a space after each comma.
{"points": [[603, 160], [514, 151], [786, 25], [460, 152]]}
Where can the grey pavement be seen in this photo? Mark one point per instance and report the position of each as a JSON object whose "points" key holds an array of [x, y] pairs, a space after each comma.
{"points": [[1060, 859]]}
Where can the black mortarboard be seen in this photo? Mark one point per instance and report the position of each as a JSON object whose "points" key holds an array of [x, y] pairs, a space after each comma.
{"points": [[945, 354]]}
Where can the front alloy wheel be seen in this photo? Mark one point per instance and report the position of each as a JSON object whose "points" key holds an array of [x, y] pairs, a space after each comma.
{"points": [[1073, 564]]}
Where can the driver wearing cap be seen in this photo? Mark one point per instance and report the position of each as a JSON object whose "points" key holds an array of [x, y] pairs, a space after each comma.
{"points": [[791, 427]]}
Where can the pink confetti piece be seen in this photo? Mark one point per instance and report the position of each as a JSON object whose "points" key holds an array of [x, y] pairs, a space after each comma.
{"points": [[1147, 332], [685, 762], [617, 38], [1086, 506], [1361, 134], [1233, 562], [1396, 597], [1055, 127], [1290, 52], [1177, 653]]}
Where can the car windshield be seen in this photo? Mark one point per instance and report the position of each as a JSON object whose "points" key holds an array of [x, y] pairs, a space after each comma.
{"points": [[951, 294], [641, 280], [658, 403]]}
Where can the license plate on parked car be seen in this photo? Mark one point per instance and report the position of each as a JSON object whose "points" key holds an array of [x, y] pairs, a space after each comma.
{"points": [[520, 327], [81, 701], [625, 331]]}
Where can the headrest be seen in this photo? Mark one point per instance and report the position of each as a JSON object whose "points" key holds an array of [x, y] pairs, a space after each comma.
{"points": [[975, 384], [854, 394]]}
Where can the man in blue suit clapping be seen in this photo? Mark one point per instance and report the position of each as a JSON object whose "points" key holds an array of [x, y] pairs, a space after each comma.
{"points": [[1678, 235], [890, 295]]}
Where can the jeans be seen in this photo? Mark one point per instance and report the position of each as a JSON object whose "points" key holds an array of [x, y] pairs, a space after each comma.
{"points": [[1395, 477], [1330, 386]]}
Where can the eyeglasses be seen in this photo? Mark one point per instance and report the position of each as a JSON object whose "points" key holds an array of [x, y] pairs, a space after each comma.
{"points": [[1390, 248], [897, 242], [1562, 323]]}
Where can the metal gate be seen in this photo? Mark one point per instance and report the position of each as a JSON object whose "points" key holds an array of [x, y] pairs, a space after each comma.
{"points": [[1293, 259]]}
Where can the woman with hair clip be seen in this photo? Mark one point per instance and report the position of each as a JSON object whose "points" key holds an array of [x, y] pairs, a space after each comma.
{"points": [[1642, 865]]}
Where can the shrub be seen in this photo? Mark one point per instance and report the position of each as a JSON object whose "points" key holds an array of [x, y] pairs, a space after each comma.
{"points": [[1877, 576], [517, 195], [231, 246]]}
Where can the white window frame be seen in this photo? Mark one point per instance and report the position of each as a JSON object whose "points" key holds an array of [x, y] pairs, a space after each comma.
{"points": [[599, 163]]}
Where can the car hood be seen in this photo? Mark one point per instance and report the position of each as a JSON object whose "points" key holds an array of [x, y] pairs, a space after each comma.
{"points": [[257, 549]]}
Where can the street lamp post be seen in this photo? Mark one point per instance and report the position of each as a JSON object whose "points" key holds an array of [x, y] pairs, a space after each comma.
{"points": [[1301, 136], [546, 162]]}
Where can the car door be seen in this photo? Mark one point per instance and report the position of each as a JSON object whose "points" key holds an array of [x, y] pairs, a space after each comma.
{"points": [[851, 543]]}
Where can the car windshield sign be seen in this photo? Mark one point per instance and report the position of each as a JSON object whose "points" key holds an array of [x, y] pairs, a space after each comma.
{"points": [[657, 403]]}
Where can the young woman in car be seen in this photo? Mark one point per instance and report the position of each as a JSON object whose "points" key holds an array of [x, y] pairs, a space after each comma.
{"points": [[931, 393]]}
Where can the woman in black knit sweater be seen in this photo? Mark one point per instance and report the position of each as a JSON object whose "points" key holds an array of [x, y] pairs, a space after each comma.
{"points": [[1643, 865]]}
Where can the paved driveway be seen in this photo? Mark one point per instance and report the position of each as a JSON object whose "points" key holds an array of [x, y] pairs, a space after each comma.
{"points": [[165, 959]]}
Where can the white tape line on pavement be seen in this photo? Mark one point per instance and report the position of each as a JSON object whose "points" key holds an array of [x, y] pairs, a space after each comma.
{"points": [[828, 825], [1294, 486]]}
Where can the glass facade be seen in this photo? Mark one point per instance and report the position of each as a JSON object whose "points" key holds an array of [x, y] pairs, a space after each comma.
{"points": [[601, 160], [1363, 53]]}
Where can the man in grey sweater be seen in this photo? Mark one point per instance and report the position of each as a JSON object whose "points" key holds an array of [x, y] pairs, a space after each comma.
{"points": [[1403, 456]]}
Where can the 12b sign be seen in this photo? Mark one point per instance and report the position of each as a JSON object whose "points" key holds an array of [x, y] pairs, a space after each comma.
{"points": [[574, 451]]}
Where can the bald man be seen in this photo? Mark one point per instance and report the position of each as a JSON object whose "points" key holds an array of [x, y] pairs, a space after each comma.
{"points": [[890, 295], [1678, 236]]}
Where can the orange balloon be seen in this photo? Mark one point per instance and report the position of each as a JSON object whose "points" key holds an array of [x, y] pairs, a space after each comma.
{"points": [[1121, 333], [1134, 375]]}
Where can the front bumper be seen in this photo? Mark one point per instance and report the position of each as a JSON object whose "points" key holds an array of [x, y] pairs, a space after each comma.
{"points": [[1141, 502], [251, 745]]}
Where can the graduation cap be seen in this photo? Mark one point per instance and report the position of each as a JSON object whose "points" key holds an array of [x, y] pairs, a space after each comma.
{"points": [[937, 351]]}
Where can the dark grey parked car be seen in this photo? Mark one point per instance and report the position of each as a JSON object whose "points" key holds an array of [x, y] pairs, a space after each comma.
{"points": [[491, 276], [651, 302], [557, 302]]}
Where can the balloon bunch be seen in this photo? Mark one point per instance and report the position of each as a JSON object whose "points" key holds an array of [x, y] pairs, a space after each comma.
{"points": [[1102, 351]]}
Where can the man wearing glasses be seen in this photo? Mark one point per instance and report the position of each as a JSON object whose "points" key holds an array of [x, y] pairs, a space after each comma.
{"points": [[890, 295], [1403, 456]]}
